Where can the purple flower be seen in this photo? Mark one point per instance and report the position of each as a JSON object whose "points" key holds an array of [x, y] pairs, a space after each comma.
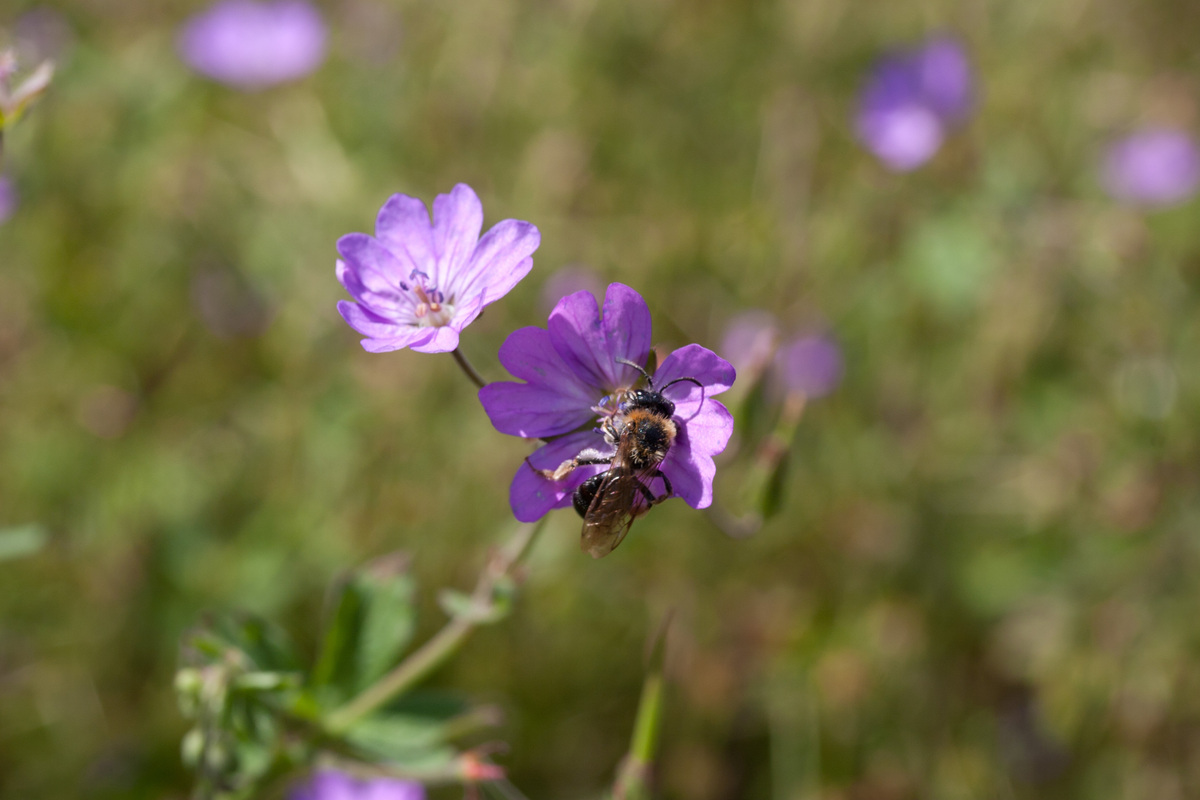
{"points": [[573, 382], [811, 365], [418, 285], [8, 198], [910, 101], [333, 785], [750, 340], [1157, 167], [252, 45]]}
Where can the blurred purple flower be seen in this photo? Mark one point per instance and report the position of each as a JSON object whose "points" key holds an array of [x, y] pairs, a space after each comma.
{"points": [[8, 198], [252, 45], [811, 365], [574, 381], [1156, 167], [750, 340], [568, 280], [418, 285], [41, 33], [910, 101], [333, 785]]}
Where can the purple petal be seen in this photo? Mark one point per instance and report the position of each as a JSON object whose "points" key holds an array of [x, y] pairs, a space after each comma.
{"points": [[370, 324], [534, 412], [750, 339], [403, 227], [330, 784], [708, 432], [499, 262], [391, 789], [591, 346], [944, 77], [457, 221], [627, 331], [1154, 168], [443, 340], [326, 785], [715, 374], [413, 337], [902, 138], [532, 496], [378, 271], [553, 401], [388, 301], [252, 45], [689, 464], [910, 99]]}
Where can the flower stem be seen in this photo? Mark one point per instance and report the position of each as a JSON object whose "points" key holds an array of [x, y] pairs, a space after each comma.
{"points": [[467, 368], [633, 776], [443, 644]]}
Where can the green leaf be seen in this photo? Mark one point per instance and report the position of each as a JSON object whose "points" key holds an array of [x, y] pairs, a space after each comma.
{"points": [[372, 621], [413, 742], [390, 618]]}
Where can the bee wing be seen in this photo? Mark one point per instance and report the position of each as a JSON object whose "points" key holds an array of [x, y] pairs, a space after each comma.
{"points": [[612, 512]]}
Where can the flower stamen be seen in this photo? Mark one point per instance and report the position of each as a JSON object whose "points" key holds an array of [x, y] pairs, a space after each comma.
{"points": [[432, 308]]}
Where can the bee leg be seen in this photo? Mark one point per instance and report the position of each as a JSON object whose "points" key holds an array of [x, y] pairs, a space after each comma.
{"points": [[585, 458], [668, 491]]}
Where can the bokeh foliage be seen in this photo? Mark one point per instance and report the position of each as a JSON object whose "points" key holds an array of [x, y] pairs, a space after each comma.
{"points": [[979, 583]]}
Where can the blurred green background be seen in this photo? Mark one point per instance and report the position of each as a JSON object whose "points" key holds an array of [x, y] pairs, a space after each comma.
{"points": [[981, 583]]}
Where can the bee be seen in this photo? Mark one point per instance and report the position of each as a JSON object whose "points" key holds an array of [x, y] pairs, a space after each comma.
{"points": [[642, 432]]}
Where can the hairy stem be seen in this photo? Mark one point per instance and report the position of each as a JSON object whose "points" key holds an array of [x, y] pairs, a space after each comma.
{"points": [[442, 645], [467, 368]]}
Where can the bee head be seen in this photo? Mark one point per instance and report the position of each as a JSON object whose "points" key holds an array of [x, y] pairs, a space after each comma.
{"points": [[651, 401]]}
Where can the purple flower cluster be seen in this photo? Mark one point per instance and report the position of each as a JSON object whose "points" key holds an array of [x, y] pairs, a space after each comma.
{"points": [[252, 45], [1153, 168], [417, 284], [332, 785], [912, 99], [810, 364], [573, 380]]}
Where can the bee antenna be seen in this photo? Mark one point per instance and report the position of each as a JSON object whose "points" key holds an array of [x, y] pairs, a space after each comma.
{"points": [[681, 380], [639, 368]]}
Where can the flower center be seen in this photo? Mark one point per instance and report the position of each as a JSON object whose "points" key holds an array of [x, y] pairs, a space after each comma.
{"points": [[608, 410], [433, 310]]}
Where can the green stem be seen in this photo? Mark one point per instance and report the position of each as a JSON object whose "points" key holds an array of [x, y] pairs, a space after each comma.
{"points": [[442, 645], [467, 368], [633, 777]]}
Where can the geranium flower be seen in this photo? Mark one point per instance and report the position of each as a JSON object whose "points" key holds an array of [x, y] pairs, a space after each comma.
{"points": [[911, 100], [573, 381], [252, 45], [330, 784], [1154, 168], [810, 365], [418, 285]]}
